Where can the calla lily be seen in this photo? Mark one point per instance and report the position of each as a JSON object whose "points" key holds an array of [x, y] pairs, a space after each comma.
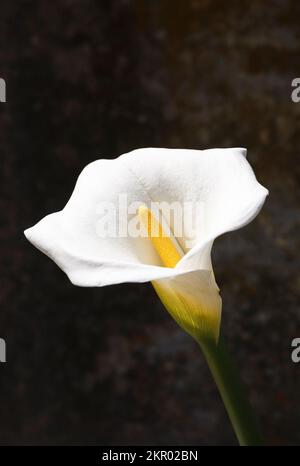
{"points": [[178, 264], [220, 179]]}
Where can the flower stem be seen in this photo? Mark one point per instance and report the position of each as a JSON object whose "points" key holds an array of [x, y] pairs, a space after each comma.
{"points": [[232, 392]]}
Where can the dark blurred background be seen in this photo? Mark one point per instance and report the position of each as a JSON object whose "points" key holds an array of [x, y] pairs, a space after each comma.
{"points": [[94, 79]]}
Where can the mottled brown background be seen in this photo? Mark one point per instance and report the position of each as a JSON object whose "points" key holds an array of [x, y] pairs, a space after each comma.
{"points": [[91, 79]]}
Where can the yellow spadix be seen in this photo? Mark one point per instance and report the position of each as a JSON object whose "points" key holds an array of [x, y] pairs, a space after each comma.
{"points": [[165, 245]]}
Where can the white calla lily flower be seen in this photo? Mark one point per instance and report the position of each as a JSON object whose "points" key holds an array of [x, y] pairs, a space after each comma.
{"points": [[220, 180]]}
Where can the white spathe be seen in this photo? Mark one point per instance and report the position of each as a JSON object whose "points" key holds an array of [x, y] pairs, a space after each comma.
{"points": [[221, 179]]}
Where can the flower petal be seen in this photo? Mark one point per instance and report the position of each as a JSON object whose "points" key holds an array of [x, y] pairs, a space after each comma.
{"points": [[220, 181]]}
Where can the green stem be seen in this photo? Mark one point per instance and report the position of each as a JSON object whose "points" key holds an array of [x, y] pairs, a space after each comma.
{"points": [[232, 392]]}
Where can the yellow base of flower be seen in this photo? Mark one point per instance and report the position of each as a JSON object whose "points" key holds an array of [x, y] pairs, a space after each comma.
{"points": [[201, 319]]}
